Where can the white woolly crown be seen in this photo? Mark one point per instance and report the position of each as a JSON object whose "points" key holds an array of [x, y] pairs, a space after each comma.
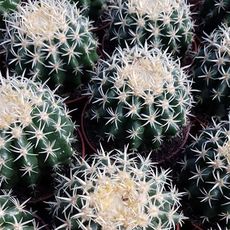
{"points": [[42, 20], [16, 102], [153, 8]]}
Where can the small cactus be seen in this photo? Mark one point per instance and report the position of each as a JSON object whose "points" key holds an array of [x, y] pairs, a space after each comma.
{"points": [[206, 173], [35, 132], [140, 96], [163, 24], [212, 72], [52, 40], [13, 214], [117, 190]]}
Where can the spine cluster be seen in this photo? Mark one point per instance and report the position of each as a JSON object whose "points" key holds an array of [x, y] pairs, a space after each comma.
{"points": [[14, 214]]}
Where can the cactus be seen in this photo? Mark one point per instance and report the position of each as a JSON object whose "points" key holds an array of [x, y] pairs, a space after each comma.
{"points": [[213, 12], [52, 40], [140, 96], [212, 72], [14, 215], [117, 190], [163, 24], [35, 132], [205, 175], [93, 8]]}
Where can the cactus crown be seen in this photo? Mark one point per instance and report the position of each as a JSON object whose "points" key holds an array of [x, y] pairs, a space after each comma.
{"points": [[117, 191], [16, 102], [144, 75], [152, 8], [224, 150], [52, 21]]}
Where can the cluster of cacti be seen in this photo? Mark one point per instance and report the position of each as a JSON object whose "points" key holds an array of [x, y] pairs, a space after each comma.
{"points": [[136, 95], [35, 132], [14, 216], [163, 24], [211, 72], [116, 190], [213, 12], [140, 96], [50, 39], [205, 175]]}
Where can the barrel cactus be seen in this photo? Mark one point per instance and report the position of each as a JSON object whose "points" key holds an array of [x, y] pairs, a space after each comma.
{"points": [[205, 176], [140, 96], [162, 23], [52, 40], [35, 132], [212, 72], [117, 190], [213, 12], [14, 215]]}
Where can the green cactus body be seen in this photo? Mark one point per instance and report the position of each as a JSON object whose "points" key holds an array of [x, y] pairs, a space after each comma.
{"points": [[14, 215], [212, 72], [92, 8], [35, 132], [161, 23], [140, 96], [206, 175], [213, 12], [52, 40], [8, 5], [117, 190]]}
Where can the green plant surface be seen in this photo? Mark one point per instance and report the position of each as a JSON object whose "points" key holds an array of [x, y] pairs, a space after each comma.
{"points": [[35, 132]]}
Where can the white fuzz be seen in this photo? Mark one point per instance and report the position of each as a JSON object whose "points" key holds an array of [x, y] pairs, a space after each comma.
{"points": [[118, 191], [43, 19], [146, 74], [224, 150], [153, 8], [16, 102]]}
